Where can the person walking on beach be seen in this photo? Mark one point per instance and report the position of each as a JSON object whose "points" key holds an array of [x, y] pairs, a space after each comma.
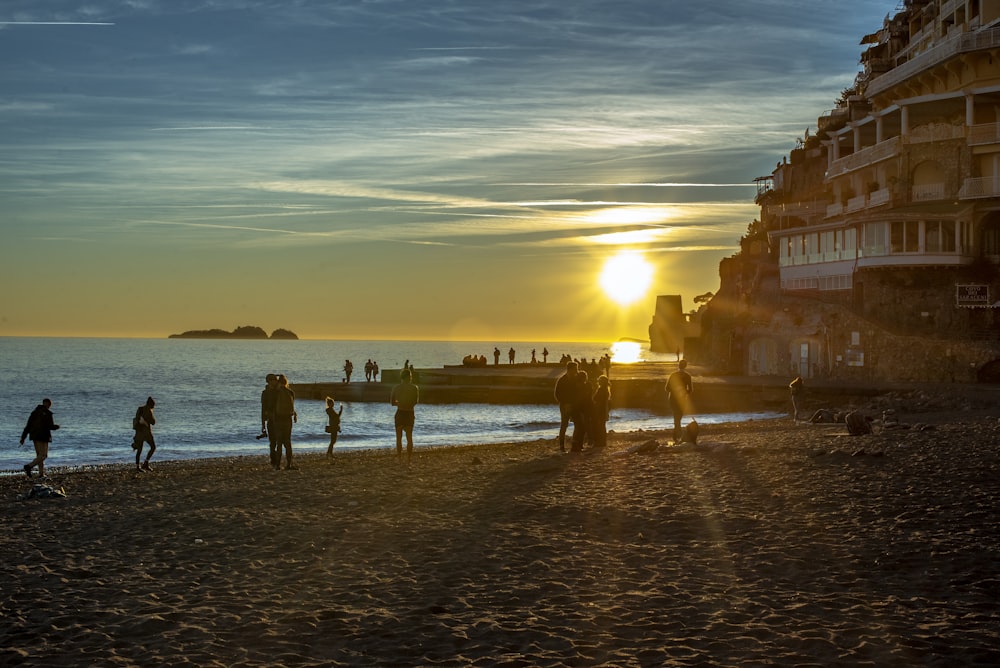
{"points": [[679, 390], [143, 424], [267, 397], [797, 388], [284, 416], [565, 394], [333, 423], [601, 411], [39, 428], [404, 397]]}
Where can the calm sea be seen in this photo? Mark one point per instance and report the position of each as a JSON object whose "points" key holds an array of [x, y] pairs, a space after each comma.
{"points": [[208, 396]]}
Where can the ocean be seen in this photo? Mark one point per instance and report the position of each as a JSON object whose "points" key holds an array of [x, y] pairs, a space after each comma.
{"points": [[207, 396]]}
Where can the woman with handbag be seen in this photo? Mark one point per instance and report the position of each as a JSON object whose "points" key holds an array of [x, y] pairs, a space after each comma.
{"points": [[333, 427]]}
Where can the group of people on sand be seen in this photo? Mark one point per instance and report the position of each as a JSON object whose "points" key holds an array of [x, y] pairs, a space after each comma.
{"points": [[585, 405], [41, 423], [277, 414]]}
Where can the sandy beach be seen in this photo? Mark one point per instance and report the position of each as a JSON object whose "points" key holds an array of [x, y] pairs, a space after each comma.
{"points": [[768, 543]]}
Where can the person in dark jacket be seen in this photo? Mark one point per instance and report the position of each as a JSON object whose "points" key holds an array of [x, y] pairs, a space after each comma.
{"points": [[267, 399], [143, 425], [40, 427], [565, 394]]}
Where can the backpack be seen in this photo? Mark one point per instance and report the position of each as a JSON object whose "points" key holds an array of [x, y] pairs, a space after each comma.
{"points": [[138, 422]]}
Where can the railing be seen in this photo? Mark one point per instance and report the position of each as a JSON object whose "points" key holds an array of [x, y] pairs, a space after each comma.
{"points": [[936, 132], [797, 209], [983, 186], [857, 203], [985, 133], [950, 6], [879, 197], [866, 156], [963, 43], [834, 209], [928, 192]]}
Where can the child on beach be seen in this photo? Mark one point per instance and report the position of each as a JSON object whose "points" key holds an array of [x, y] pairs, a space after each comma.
{"points": [[333, 426]]}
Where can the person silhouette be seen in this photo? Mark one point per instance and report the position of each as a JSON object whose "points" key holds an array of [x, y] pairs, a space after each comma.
{"points": [[333, 424], [679, 389], [565, 395], [404, 397], [143, 423], [39, 428]]}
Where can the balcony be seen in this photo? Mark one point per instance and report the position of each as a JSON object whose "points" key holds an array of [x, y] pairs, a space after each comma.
{"points": [[979, 187], [865, 157], [928, 192], [962, 43], [834, 209], [879, 198], [857, 203], [983, 134], [803, 210]]}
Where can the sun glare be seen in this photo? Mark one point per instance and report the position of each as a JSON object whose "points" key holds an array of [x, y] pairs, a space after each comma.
{"points": [[626, 277], [625, 352]]}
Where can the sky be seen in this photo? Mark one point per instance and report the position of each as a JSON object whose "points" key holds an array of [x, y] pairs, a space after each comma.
{"points": [[393, 169]]}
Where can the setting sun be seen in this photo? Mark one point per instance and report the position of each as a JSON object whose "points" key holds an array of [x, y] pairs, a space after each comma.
{"points": [[626, 277]]}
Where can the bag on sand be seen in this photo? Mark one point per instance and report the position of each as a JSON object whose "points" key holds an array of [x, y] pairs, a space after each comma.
{"points": [[857, 424]]}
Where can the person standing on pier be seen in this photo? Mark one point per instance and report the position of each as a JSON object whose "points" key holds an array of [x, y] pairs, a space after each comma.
{"points": [[404, 397], [679, 390], [510, 356]]}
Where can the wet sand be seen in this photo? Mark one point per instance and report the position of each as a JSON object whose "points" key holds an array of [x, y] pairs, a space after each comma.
{"points": [[769, 543]]}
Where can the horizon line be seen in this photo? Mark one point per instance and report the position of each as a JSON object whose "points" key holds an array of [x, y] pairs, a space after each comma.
{"points": [[54, 23]]}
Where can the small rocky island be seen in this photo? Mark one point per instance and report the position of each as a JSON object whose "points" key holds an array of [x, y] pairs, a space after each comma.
{"points": [[247, 332]]}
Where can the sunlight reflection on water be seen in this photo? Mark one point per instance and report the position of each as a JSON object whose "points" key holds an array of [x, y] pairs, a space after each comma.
{"points": [[626, 352]]}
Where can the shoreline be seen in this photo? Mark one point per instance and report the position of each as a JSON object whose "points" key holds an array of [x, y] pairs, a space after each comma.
{"points": [[770, 542]]}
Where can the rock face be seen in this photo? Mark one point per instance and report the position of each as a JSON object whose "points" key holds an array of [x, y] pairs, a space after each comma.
{"points": [[246, 332]]}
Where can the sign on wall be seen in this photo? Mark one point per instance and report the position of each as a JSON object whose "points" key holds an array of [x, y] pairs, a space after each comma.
{"points": [[973, 296]]}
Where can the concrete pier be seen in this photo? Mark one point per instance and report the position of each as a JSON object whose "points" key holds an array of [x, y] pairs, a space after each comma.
{"points": [[639, 385]]}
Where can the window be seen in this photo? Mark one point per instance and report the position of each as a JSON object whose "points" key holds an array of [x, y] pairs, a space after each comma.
{"points": [[940, 236], [904, 236], [875, 237]]}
